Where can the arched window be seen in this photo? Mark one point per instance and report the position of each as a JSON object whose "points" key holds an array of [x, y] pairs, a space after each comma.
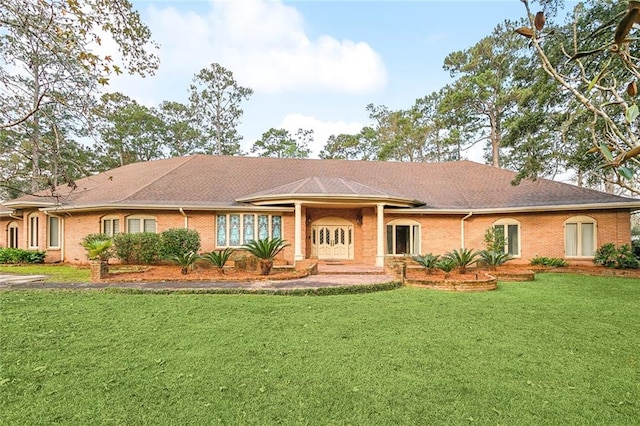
{"points": [[33, 223], [403, 237], [141, 223], [510, 229], [12, 235], [580, 236]]}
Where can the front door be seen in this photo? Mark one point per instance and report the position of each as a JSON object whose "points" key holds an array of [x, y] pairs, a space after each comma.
{"points": [[332, 242]]}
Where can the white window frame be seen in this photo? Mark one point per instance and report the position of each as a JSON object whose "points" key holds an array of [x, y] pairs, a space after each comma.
{"points": [[242, 233], [50, 243], [33, 221], [112, 228], [13, 234], [141, 221], [413, 244], [579, 221], [505, 227]]}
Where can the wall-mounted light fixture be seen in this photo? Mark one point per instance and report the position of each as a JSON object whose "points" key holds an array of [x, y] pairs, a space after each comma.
{"points": [[359, 220], [308, 219]]}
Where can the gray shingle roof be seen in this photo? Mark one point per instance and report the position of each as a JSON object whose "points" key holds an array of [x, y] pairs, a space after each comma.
{"points": [[216, 181]]}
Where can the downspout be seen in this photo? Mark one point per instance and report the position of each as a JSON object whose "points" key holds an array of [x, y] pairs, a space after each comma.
{"points": [[186, 219], [15, 217], [462, 229]]}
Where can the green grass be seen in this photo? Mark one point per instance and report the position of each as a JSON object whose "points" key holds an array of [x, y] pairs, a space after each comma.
{"points": [[562, 350], [55, 273]]}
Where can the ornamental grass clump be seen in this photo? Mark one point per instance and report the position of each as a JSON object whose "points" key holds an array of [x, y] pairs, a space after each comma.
{"points": [[428, 261], [185, 261], [218, 258]]}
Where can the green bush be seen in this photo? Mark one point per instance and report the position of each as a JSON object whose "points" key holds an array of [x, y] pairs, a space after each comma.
{"points": [[13, 255], [611, 257], [635, 245], [140, 248], [429, 261], [548, 261], [493, 259], [178, 242], [463, 258], [218, 258], [98, 246]]}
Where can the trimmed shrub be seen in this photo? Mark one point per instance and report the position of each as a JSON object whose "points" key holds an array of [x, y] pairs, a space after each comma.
{"points": [[611, 257], [140, 248], [178, 242], [554, 262], [13, 255]]}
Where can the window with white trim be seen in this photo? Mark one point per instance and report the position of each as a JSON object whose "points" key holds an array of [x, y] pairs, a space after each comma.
{"points": [[580, 236], [12, 235], [110, 226], [510, 229], [403, 237], [33, 230], [53, 232], [137, 224], [236, 229]]}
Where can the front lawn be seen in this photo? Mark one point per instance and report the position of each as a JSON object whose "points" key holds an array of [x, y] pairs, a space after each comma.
{"points": [[55, 273], [562, 350]]}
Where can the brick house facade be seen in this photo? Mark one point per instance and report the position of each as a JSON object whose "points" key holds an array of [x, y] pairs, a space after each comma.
{"points": [[348, 211]]}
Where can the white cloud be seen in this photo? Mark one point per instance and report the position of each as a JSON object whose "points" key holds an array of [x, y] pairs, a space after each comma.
{"points": [[265, 45], [321, 129]]}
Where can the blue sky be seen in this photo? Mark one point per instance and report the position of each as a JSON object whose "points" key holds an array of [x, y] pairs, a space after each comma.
{"points": [[312, 64]]}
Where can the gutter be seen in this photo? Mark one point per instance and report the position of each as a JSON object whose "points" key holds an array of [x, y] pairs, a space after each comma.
{"points": [[186, 219], [462, 228]]}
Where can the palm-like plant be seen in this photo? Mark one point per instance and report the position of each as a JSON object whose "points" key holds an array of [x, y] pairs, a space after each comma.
{"points": [[463, 258], [265, 250], [446, 264], [218, 258], [98, 249], [429, 261], [185, 261], [493, 259]]}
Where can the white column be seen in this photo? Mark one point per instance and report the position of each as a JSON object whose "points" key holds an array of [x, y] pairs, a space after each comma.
{"points": [[380, 235], [297, 254]]}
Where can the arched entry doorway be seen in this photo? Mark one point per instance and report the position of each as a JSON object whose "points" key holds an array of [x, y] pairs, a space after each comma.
{"points": [[332, 238]]}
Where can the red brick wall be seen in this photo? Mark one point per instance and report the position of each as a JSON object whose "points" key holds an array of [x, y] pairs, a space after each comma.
{"points": [[542, 234]]}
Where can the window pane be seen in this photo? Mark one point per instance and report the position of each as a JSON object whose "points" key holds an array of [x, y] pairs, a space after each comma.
{"points": [[133, 226], [248, 224], [389, 239], [54, 228], [13, 237], [571, 237], [499, 234], [276, 227], [263, 227], [150, 225], [234, 230], [587, 234], [415, 249], [106, 226], [512, 240], [222, 230], [116, 227], [402, 239], [33, 231]]}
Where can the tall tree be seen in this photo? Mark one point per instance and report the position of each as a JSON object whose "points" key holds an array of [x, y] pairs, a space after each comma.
{"points": [[181, 135], [49, 65], [361, 146], [280, 143], [483, 92], [216, 98]]}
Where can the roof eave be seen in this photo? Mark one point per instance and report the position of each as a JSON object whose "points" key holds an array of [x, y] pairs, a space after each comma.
{"points": [[330, 198], [214, 207], [633, 206]]}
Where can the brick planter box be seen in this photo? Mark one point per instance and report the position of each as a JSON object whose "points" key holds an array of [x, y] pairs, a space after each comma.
{"points": [[461, 284]]}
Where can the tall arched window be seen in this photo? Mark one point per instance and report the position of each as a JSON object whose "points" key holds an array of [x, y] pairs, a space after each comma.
{"points": [[510, 229], [403, 237], [33, 224], [12, 235], [580, 236]]}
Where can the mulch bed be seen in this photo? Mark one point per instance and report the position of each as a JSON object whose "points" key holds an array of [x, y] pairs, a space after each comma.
{"points": [[161, 273]]}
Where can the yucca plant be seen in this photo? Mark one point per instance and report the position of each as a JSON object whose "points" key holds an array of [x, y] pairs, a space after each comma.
{"points": [[265, 250], [185, 261], [429, 261], [463, 258], [493, 259], [218, 258]]}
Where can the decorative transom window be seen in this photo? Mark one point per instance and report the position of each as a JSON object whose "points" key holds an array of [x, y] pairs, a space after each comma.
{"points": [[236, 229], [53, 234], [33, 230], [111, 225], [510, 229], [12, 235], [137, 224], [403, 237], [580, 236]]}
